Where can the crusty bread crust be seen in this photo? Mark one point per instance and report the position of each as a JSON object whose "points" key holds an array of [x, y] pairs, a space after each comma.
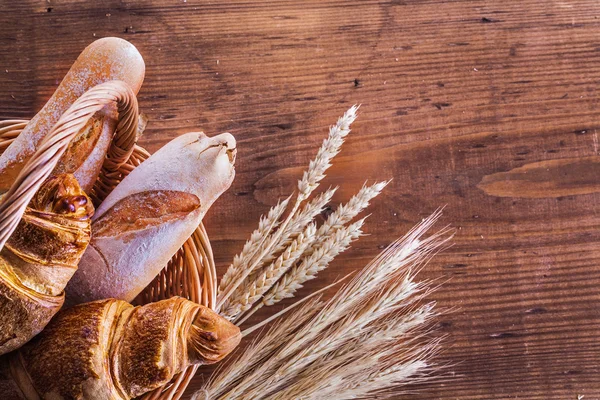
{"points": [[124, 256]]}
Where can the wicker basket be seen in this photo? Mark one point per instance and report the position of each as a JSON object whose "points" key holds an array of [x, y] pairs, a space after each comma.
{"points": [[190, 273]]}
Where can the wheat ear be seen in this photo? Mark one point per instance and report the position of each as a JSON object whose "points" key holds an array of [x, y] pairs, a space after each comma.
{"points": [[327, 244], [309, 182], [297, 224], [358, 364], [346, 212], [362, 302], [254, 291], [312, 265], [265, 226], [329, 149], [300, 221]]}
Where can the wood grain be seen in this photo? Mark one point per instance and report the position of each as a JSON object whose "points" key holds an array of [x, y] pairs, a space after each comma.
{"points": [[490, 108]]}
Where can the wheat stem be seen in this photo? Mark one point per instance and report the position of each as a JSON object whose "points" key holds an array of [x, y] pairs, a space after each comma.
{"points": [[248, 331], [261, 349]]}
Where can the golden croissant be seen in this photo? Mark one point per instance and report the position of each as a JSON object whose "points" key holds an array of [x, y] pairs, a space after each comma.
{"points": [[109, 349], [40, 257]]}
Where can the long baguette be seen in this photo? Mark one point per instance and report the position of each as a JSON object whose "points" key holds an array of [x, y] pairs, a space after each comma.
{"points": [[110, 350], [150, 214], [104, 60], [40, 257]]}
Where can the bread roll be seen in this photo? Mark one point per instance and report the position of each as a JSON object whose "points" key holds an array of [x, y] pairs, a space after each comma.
{"points": [[150, 214], [110, 350], [40, 257], [104, 60]]}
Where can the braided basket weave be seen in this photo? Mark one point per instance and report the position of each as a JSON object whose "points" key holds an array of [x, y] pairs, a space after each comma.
{"points": [[190, 273]]}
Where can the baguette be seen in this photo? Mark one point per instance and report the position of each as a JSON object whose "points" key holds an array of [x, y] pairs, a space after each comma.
{"points": [[40, 257], [110, 350], [104, 60], [150, 214]]}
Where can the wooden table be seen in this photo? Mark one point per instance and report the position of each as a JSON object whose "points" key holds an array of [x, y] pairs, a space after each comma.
{"points": [[488, 107]]}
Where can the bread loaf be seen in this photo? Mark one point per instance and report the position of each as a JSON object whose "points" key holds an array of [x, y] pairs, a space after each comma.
{"points": [[103, 60], [110, 350], [40, 257], [150, 214]]}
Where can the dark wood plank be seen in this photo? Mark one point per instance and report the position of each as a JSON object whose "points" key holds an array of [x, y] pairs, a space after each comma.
{"points": [[490, 108]]}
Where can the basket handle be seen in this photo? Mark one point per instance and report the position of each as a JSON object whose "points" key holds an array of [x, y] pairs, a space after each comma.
{"points": [[42, 163]]}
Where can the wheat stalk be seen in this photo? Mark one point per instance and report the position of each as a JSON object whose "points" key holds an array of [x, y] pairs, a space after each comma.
{"points": [[382, 289], [254, 291], [331, 239], [258, 351], [253, 286], [265, 226], [366, 340], [309, 182], [390, 264], [400, 295], [360, 363], [346, 212], [316, 262], [362, 377]]}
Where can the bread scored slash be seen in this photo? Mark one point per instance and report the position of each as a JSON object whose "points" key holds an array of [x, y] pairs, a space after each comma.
{"points": [[150, 214], [104, 60]]}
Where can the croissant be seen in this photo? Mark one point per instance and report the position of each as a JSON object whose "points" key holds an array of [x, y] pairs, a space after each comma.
{"points": [[109, 349], [40, 257]]}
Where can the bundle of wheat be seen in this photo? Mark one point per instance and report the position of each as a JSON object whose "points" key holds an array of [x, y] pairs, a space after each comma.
{"points": [[370, 339]]}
